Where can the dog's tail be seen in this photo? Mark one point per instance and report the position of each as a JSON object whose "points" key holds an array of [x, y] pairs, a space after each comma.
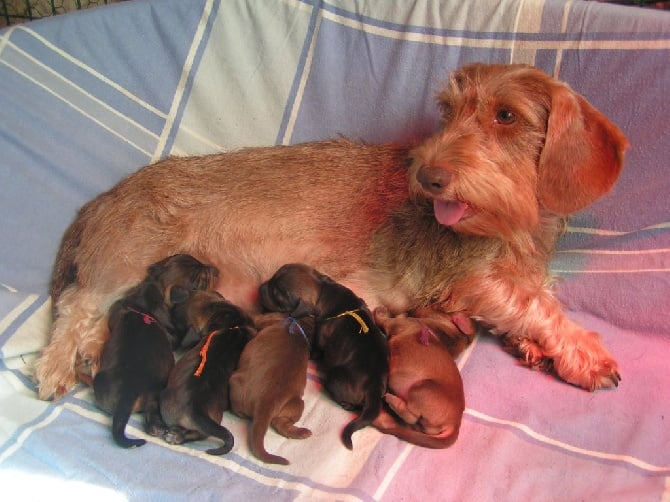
{"points": [[259, 427], [371, 409], [407, 433], [119, 420], [209, 427]]}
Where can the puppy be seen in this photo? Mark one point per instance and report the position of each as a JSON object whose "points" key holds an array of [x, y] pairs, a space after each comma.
{"points": [[353, 351], [137, 358], [425, 389], [270, 381], [175, 276], [196, 396], [465, 221]]}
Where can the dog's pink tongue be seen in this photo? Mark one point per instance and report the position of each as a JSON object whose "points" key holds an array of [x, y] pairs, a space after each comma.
{"points": [[449, 212]]}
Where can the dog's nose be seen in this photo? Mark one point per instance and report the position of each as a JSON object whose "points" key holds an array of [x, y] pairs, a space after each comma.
{"points": [[433, 179]]}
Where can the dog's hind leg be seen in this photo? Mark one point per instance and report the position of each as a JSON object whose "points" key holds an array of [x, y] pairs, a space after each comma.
{"points": [[153, 422], [284, 423], [79, 319]]}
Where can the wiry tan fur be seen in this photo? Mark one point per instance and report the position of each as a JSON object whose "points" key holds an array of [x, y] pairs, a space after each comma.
{"points": [[359, 214]]}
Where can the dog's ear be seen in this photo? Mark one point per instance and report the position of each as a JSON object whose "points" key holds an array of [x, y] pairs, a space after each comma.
{"points": [[178, 294], [582, 155], [303, 309]]}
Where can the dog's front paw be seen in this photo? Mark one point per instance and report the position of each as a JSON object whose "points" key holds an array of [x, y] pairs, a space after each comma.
{"points": [[528, 352], [586, 363]]}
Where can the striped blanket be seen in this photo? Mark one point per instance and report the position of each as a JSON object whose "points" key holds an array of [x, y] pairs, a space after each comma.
{"points": [[87, 98]]}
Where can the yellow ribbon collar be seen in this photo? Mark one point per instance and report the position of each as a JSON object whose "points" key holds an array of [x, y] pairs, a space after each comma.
{"points": [[356, 316]]}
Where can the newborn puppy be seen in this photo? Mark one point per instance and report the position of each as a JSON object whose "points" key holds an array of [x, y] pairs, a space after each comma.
{"points": [[137, 357], [425, 389], [353, 350], [270, 381], [176, 276], [196, 396]]}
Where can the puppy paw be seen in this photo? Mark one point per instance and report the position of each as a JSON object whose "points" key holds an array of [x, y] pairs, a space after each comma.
{"points": [[174, 435]]}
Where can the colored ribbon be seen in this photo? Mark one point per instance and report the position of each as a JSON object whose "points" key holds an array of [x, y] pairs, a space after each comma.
{"points": [[358, 318]]}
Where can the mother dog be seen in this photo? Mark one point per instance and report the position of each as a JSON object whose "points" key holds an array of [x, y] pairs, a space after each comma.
{"points": [[464, 222]]}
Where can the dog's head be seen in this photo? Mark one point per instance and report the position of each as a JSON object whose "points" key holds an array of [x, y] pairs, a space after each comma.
{"points": [[183, 272], [514, 142], [203, 312], [294, 289]]}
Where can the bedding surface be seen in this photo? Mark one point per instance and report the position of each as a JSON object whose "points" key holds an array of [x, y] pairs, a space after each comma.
{"points": [[89, 97]]}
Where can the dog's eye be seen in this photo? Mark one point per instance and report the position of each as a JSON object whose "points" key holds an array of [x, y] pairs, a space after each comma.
{"points": [[505, 117]]}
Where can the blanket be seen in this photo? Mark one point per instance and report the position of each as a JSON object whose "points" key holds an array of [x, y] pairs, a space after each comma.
{"points": [[89, 97]]}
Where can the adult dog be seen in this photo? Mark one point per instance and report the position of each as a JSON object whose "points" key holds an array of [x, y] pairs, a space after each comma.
{"points": [[464, 222]]}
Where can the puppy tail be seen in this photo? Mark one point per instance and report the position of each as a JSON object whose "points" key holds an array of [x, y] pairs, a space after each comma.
{"points": [[371, 409], [259, 427], [406, 433], [120, 419], [209, 427]]}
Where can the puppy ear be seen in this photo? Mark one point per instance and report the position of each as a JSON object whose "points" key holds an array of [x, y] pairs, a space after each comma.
{"points": [[178, 294], [582, 156], [303, 309]]}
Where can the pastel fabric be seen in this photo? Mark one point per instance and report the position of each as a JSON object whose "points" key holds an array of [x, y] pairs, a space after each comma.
{"points": [[87, 98]]}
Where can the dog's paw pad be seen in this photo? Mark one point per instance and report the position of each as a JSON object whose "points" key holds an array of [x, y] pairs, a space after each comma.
{"points": [[173, 437]]}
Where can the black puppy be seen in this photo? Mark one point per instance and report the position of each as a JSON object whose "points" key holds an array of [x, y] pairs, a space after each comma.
{"points": [[353, 350], [137, 358], [196, 396]]}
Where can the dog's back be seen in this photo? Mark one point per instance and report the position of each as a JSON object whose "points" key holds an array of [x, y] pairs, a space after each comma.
{"points": [[270, 381], [136, 360], [425, 389], [197, 391], [355, 359]]}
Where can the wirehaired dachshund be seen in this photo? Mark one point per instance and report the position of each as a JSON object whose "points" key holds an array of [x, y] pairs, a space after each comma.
{"points": [[465, 221], [196, 395], [137, 358], [270, 381], [352, 350]]}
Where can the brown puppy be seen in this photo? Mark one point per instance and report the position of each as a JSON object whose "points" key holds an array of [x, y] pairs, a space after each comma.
{"points": [[425, 389], [270, 380], [468, 227], [352, 349], [137, 358], [196, 396]]}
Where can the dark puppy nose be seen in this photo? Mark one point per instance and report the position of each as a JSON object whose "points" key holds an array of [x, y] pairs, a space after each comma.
{"points": [[433, 179]]}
